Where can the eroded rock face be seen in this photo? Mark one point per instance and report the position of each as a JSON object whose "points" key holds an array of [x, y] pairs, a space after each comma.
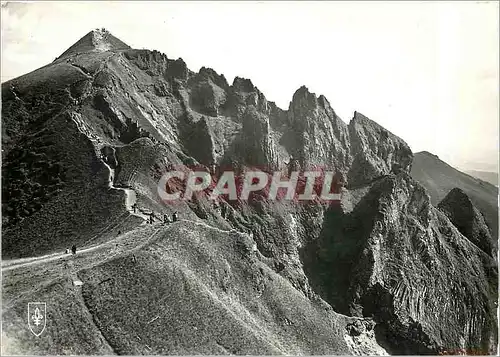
{"points": [[397, 258], [243, 94], [177, 69], [259, 147], [208, 98], [198, 140], [458, 207], [316, 135], [208, 92], [375, 151]]}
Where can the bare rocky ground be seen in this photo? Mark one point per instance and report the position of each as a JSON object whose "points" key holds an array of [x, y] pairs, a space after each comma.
{"points": [[85, 137]]}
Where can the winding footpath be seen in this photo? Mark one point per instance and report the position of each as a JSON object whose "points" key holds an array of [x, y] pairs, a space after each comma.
{"points": [[25, 262], [130, 201]]}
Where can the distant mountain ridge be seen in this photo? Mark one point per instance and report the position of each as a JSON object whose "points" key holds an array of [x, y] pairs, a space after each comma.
{"points": [[488, 176]]}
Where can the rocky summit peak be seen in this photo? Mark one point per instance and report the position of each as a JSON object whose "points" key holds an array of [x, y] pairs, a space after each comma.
{"points": [[98, 40], [358, 117], [303, 91], [303, 95], [459, 196], [243, 85]]}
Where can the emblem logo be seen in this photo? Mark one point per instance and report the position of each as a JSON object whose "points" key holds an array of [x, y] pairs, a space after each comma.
{"points": [[37, 317]]}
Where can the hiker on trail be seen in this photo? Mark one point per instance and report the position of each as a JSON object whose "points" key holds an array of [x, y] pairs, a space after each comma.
{"points": [[67, 251], [293, 165], [73, 249], [165, 219], [134, 207], [151, 217], [223, 210], [174, 217], [212, 168]]}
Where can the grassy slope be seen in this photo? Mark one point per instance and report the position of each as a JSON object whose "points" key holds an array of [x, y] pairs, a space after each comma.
{"points": [[70, 328], [192, 290], [440, 178], [73, 204], [77, 211]]}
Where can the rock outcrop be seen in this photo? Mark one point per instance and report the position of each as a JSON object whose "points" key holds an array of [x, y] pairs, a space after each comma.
{"points": [[316, 135], [375, 151], [458, 207], [258, 145], [398, 259], [439, 179], [209, 92]]}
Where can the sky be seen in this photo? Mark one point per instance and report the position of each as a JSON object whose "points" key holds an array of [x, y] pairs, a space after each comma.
{"points": [[426, 71]]}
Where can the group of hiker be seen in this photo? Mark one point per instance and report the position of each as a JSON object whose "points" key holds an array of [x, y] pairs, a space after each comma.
{"points": [[166, 220], [73, 250], [152, 216]]}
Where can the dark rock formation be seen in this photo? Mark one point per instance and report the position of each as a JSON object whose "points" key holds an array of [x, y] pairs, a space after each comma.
{"points": [[375, 151], [458, 207], [207, 98], [398, 259], [257, 143], [317, 136], [198, 141]]}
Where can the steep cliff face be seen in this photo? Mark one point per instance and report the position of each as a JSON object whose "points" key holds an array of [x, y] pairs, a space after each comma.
{"points": [[376, 151], [384, 252], [256, 142], [397, 258], [317, 136], [458, 207], [209, 92]]}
